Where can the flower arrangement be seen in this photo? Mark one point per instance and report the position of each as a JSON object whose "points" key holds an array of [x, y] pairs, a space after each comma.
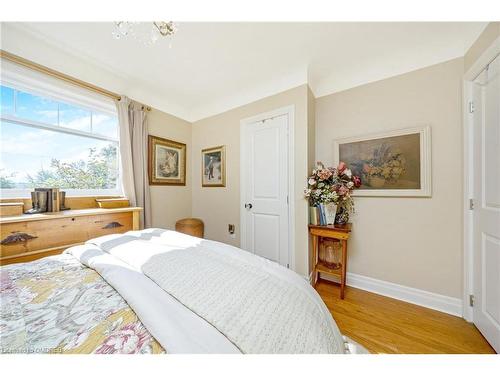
{"points": [[332, 185]]}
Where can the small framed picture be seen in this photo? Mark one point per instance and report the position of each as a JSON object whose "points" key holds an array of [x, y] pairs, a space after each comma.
{"points": [[167, 161], [213, 167]]}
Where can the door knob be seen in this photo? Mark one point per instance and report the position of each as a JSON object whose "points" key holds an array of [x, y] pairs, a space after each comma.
{"points": [[248, 206]]}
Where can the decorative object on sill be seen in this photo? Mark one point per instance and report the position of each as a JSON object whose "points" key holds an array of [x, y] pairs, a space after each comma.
{"points": [[394, 163], [167, 162], [62, 201], [112, 202], [38, 202], [213, 167], [329, 191], [190, 226], [47, 200], [147, 33]]}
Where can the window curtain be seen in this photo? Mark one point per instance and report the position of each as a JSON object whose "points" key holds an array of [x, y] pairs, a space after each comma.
{"points": [[134, 156]]}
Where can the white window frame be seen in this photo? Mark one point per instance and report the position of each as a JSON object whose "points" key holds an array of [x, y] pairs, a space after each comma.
{"points": [[25, 80]]}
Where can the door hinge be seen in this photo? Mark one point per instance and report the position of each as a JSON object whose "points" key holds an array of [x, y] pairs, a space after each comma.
{"points": [[287, 265], [471, 204], [471, 107], [287, 201], [471, 300]]}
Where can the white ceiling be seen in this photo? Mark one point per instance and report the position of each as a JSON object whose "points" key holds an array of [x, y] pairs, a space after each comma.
{"points": [[213, 67]]}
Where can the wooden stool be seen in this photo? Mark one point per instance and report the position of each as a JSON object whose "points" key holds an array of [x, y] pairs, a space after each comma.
{"points": [[336, 232], [191, 226]]}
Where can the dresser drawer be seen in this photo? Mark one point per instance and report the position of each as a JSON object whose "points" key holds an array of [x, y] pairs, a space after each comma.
{"points": [[100, 225], [28, 236]]}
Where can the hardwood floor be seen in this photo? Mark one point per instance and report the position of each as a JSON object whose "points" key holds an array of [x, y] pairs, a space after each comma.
{"points": [[387, 325]]}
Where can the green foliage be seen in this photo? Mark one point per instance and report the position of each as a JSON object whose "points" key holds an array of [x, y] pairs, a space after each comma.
{"points": [[5, 181], [99, 172]]}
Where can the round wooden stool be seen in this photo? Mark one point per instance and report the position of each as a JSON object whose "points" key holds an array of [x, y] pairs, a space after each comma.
{"points": [[191, 226]]}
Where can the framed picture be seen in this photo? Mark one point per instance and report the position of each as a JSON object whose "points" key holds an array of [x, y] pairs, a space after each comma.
{"points": [[391, 164], [213, 166], [166, 161]]}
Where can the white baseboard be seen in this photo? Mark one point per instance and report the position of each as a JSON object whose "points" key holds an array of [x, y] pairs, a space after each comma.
{"points": [[420, 297]]}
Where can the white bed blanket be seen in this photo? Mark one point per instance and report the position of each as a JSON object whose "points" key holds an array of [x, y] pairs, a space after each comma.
{"points": [[255, 307], [243, 302]]}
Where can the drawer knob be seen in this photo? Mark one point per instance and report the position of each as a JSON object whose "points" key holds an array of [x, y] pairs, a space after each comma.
{"points": [[113, 224], [17, 237]]}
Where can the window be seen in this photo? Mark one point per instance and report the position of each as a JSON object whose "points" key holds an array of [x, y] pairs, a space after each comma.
{"points": [[50, 143]]}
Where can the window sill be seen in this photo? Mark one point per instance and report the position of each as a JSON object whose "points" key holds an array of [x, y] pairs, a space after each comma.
{"points": [[70, 193]]}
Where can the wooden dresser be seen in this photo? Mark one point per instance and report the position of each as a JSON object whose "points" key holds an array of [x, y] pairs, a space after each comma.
{"points": [[28, 237]]}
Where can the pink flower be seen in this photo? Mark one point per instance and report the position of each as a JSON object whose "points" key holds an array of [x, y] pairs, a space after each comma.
{"points": [[324, 174], [128, 340], [342, 166], [357, 181]]}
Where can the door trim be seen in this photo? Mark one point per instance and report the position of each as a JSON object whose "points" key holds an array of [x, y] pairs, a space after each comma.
{"points": [[468, 123], [290, 112]]}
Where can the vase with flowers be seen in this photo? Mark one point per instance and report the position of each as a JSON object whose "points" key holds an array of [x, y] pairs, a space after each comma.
{"points": [[333, 185]]}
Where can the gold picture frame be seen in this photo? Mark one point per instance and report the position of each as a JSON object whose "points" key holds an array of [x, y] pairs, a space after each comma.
{"points": [[166, 161], [213, 167]]}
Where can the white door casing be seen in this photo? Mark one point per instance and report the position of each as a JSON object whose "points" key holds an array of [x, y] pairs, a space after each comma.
{"points": [[265, 217], [486, 213]]}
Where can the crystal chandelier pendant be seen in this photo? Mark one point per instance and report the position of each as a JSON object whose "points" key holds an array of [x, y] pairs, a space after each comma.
{"points": [[144, 34], [165, 28], [122, 29]]}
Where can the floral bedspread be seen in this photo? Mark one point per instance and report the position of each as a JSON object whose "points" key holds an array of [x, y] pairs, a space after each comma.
{"points": [[57, 305]]}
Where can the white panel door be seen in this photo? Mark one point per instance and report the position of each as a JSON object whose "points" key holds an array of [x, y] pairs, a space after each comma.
{"points": [[487, 204], [264, 153]]}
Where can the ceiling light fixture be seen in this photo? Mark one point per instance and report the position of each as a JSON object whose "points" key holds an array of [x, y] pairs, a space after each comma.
{"points": [[146, 33]]}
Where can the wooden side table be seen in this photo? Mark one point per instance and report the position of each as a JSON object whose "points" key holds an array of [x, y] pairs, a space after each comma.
{"points": [[191, 226], [336, 232]]}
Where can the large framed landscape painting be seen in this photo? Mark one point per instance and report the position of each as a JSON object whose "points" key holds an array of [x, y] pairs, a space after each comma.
{"points": [[166, 161], [213, 167], [394, 163]]}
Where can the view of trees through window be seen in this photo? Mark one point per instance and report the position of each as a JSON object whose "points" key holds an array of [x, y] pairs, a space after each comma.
{"points": [[46, 143]]}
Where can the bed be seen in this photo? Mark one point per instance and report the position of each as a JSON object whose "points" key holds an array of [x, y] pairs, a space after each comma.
{"points": [[159, 291]]}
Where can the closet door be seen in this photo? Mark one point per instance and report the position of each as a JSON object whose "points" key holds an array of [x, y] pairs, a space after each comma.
{"points": [[264, 198]]}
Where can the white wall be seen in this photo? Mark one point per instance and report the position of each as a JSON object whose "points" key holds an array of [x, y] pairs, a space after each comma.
{"points": [[416, 242], [171, 203], [218, 207]]}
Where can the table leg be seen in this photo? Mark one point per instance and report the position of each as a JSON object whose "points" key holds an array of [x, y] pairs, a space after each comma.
{"points": [[314, 260], [344, 268]]}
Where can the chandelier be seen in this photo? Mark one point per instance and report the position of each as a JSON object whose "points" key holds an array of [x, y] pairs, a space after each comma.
{"points": [[146, 33]]}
